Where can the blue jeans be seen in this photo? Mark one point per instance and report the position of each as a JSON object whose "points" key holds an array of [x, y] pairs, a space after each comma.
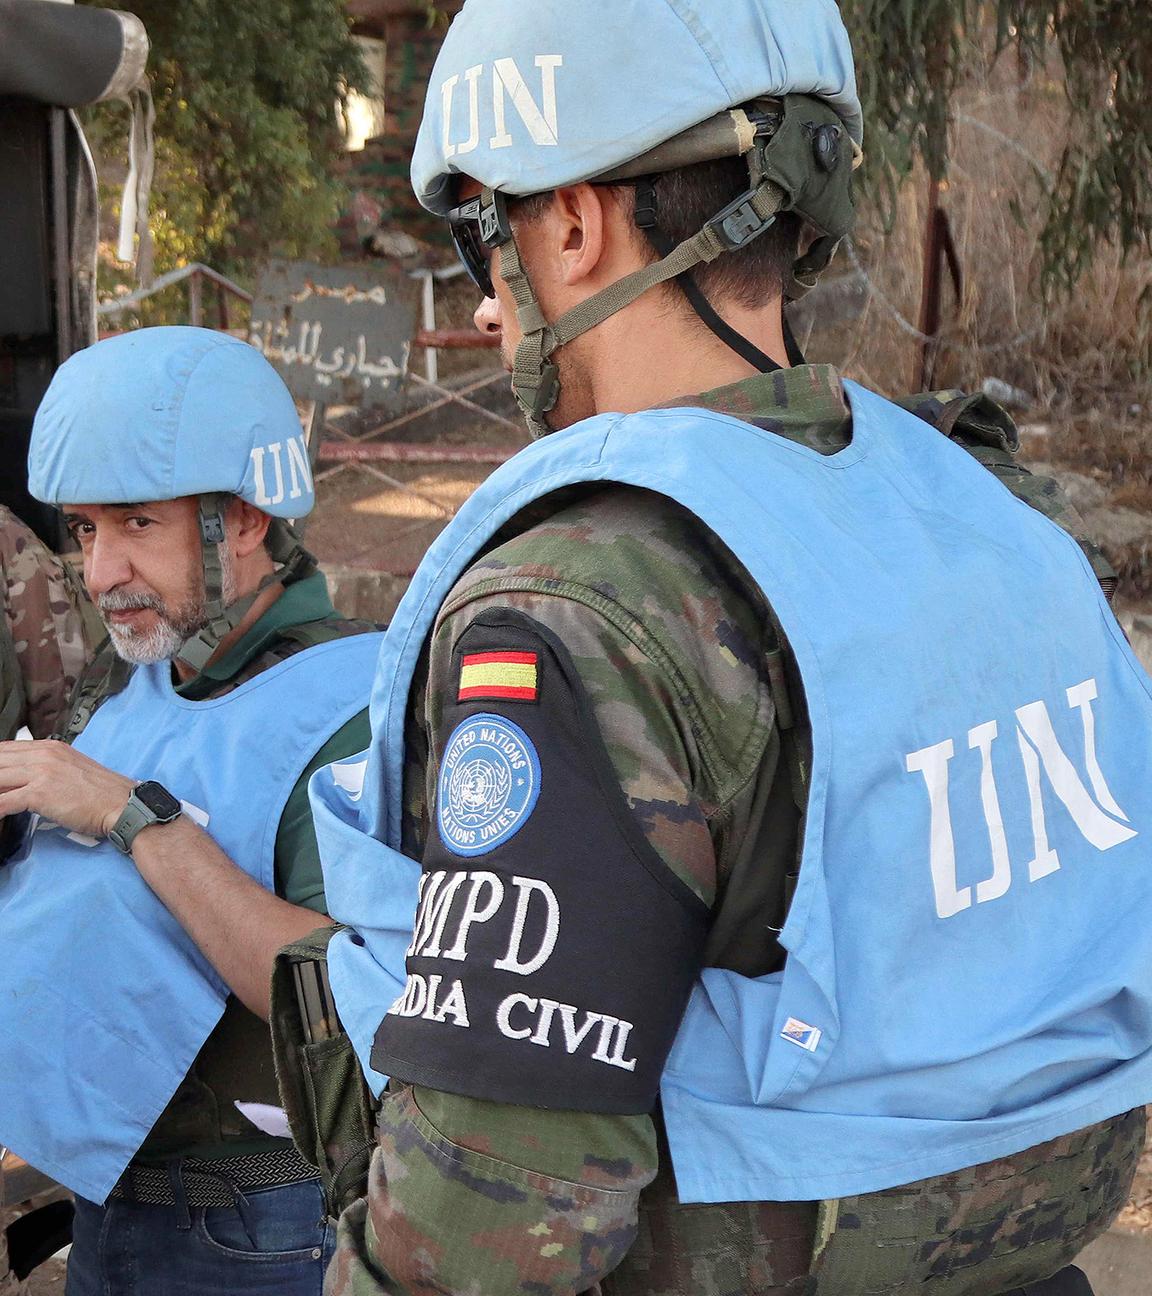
{"points": [[274, 1243]]}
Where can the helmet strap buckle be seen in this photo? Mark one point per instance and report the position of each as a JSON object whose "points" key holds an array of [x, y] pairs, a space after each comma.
{"points": [[647, 204], [211, 520], [741, 222], [539, 398]]}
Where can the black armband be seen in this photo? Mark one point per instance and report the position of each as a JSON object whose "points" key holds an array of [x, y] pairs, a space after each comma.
{"points": [[554, 950]]}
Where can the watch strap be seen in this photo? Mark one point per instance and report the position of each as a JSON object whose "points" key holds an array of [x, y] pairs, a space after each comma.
{"points": [[136, 816]]}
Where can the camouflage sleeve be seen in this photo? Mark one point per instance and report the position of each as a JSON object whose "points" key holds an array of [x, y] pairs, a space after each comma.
{"points": [[470, 1195], [669, 644], [42, 610]]}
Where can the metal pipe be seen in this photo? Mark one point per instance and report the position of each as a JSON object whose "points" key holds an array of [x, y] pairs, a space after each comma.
{"points": [[166, 281], [403, 452], [457, 340], [62, 257], [431, 356], [195, 301]]}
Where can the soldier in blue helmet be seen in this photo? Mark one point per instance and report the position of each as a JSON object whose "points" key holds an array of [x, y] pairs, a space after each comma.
{"points": [[168, 849], [773, 771]]}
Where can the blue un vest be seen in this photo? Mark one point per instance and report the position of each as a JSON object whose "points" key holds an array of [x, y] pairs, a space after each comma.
{"points": [[105, 1001], [969, 966]]}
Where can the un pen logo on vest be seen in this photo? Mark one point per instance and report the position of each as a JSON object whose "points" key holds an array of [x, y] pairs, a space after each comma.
{"points": [[489, 785], [800, 1033]]}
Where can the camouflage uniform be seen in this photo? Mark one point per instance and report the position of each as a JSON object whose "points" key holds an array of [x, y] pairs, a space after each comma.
{"points": [[44, 626], [43, 648], [679, 656]]}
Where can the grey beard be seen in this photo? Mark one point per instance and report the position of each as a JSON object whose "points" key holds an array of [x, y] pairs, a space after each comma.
{"points": [[161, 643], [172, 629]]}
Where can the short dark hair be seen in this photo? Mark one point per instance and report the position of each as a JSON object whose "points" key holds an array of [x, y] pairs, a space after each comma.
{"points": [[686, 199], [689, 197]]}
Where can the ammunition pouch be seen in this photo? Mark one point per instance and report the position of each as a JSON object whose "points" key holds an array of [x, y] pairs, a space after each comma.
{"points": [[331, 1111]]}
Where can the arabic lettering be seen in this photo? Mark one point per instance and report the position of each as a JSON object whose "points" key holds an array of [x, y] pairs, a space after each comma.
{"points": [[347, 360]]}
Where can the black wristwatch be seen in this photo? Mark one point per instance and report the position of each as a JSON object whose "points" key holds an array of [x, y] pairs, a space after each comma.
{"points": [[150, 803]]}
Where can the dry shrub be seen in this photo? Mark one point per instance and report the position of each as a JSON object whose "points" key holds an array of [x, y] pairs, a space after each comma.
{"points": [[1090, 351]]}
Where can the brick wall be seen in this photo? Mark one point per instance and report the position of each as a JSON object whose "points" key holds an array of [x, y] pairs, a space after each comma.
{"points": [[381, 170]]}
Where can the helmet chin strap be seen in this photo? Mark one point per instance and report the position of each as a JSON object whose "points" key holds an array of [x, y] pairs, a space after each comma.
{"points": [[293, 563], [647, 219], [797, 160], [535, 377]]}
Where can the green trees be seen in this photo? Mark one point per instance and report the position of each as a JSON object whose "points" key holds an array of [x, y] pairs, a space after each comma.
{"points": [[246, 125], [246, 99]]}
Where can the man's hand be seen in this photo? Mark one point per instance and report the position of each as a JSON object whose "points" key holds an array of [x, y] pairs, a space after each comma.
{"points": [[235, 921], [61, 784]]}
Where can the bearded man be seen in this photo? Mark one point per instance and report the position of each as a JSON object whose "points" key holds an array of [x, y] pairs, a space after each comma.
{"points": [[168, 850]]}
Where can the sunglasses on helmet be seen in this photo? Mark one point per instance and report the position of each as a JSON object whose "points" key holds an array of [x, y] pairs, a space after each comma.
{"points": [[478, 227]]}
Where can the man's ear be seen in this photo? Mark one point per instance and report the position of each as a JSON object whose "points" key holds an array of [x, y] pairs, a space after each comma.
{"points": [[580, 222], [249, 526]]}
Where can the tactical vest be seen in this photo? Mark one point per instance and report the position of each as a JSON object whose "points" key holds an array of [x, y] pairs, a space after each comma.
{"points": [[236, 1061], [106, 1001], [968, 972]]}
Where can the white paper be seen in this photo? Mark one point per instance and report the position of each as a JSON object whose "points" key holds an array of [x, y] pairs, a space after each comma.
{"points": [[267, 1119]]}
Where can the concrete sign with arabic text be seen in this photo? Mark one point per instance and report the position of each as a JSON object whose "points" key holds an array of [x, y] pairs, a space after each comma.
{"points": [[340, 335]]}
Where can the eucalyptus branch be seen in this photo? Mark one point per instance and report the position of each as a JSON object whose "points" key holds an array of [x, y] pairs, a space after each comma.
{"points": [[914, 54]]}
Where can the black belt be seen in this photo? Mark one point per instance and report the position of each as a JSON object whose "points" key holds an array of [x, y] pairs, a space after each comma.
{"points": [[210, 1183]]}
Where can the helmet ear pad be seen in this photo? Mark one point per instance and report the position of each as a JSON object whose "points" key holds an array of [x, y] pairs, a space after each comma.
{"points": [[291, 560], [811, 157]]}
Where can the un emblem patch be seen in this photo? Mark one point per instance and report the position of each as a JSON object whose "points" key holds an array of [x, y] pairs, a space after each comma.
{"points": [[489, 783]]}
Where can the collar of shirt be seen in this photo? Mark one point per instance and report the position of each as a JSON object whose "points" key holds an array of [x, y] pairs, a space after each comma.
{"points": [[805, 404], [303, 601]]}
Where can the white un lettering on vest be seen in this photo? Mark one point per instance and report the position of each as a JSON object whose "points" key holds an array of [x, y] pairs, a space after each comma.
{"points": [[1039, 760], [452, 905]]}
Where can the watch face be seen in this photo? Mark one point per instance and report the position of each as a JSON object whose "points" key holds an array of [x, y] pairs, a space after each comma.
{"points": [[158, 799]]}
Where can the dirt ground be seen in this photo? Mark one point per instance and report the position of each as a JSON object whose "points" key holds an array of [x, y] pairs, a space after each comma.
{"points": [[1137, 1215], [380, 515]]}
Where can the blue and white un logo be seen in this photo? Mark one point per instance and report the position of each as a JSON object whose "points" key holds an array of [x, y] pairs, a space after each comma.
{"points": [[489, 783]]}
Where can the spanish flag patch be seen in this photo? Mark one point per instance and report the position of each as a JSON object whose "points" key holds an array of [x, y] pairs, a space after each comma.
{"points": [[506, 676]]}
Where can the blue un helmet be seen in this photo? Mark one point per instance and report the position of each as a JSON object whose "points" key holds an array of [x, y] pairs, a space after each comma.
{"points": [[529, 95], [162, 413]]}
